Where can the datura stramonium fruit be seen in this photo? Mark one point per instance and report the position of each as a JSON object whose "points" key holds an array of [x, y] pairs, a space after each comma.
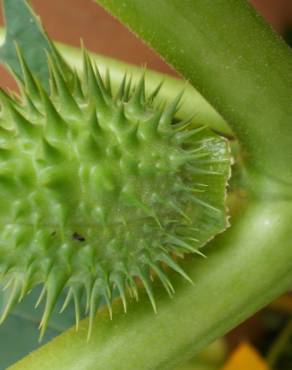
{"points": [[101, 192]]}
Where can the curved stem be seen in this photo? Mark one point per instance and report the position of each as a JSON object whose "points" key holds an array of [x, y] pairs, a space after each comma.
{"points": [[247, 267], [235, 60]]}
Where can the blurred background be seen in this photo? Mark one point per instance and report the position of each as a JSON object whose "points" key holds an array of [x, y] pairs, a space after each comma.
{"points": [[68, 21]]}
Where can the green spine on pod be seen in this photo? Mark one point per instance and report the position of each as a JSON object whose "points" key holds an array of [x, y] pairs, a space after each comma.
{"points": [[101, 192]]}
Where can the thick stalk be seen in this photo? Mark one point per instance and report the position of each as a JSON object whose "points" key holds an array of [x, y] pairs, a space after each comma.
{"points": [[235, 60], [247, 267]]}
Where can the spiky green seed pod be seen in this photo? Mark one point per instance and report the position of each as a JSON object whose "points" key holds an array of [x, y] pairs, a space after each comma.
{"points": [[99, 190]]}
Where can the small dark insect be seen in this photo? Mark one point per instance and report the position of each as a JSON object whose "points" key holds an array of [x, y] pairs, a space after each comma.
{"points": [[78, 237]]}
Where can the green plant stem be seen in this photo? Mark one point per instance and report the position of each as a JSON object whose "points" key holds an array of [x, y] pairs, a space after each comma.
{"points": [[247, 267], [279, 344], [194, 105], [236, 61]]}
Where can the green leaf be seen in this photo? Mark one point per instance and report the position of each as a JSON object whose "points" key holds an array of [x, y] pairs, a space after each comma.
{"points": [[24, 28]]}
